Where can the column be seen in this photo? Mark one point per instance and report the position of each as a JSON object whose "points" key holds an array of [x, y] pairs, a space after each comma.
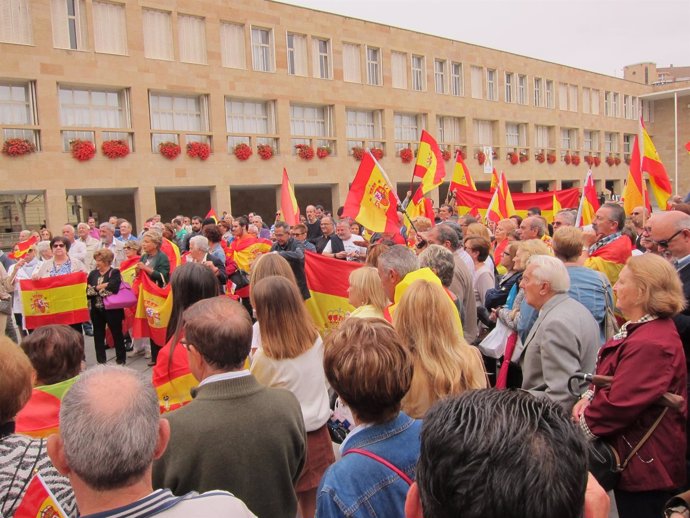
{"points": [[56, 209], [220, 199], [144, 204]]}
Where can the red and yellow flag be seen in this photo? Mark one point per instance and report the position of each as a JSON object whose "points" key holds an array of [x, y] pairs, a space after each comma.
{"points": [[40, 416], [429, 167], [288, 202], [153, 311], [212, 215], [611, 258], [328, 281], [501, 205], [55, 300], [494, 180], [172, 378], [687, 146], [245, 251], [419, 206], [372, 201], [128, 269], [461, 175], [23, 248], [635, 190], [39, 502], [555, 206], [173, 252], [651, 164], [589, 202]]}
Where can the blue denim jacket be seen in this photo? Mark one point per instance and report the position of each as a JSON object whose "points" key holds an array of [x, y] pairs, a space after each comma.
{"points": [[361, 487], [591, 289]]}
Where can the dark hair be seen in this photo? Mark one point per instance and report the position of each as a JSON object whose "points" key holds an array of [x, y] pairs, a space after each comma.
{"points": [[197, 218], [56, 353], [61, 239], [221, 330], [484, 452], [340, 211], [242, 221], [212, 233], [479, 244], [282, 224], [517, 218], [448, 233], [208, 221], [534, 211], [617, 214]]}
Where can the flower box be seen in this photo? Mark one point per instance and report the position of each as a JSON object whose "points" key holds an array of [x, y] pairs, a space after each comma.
{"points": [[377, 152], [540, 157], [513, 157], [242, 151], [115, 149], [265, 151], [406, 155], [617, 161], [551, 158], [323, 152], [358, 153], [597, 161], [83, 150], [610, 161], [576, 159], [199, 150], [481, 157], [445, 154], [170, 150], [305, 151], [568, 159], [17, 147]]}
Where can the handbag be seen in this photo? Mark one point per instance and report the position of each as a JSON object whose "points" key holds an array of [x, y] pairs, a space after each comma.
{"points": [[6, 306], [494, 344], [239, 278], [124, 298]]}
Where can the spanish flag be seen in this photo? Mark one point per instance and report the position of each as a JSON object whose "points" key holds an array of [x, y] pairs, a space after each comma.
{"points": [[555, 206], [429, 167], [153, 311], [419, 206], [173, 252], [288, 202], [501, 205], [23, 248], [55, 300], [589, 203], [651, 164], [461, 175], [40, 416], [212, 215], [328, 281], [39, 502], [635, 190], [128, 269], [172, 378], [245, 251], [494, 180], [372, 201]]}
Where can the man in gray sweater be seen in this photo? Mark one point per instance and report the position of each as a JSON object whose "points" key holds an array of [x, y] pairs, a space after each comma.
{"points": [[235, 434]]}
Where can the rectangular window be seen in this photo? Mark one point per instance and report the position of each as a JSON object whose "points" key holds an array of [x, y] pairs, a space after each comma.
{"points": [[590, 140], [538, 92], [483, 133], [516, 134], [158, 37], [610, 142], [586, 100], [457, 84], [615, 105], [262, 49], [628, 141], [522, 89], [418, 73], [608, 101], [249, 117], [541, 137], [192, 39], [15, 22], [648, 111], [572, 98], [595, 102], [440, 76], [69, 24], [510, 87], [449, 130], [477, 78], [550, 103], [352, 63], [407, 128], [568, 139], [297, 54], [109, 28], [18, 109], [311, 121], [399, 69], [562, 96], [90, 108], [177, 113], [232, 49], [627, 107], [374, 66], [364, 128], [491, 86], [321, 52]]}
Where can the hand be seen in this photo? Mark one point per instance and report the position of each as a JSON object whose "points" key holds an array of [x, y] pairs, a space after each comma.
{"points": [[361, 243], [494, 315], [101, 286], [341, 255], [589, 237], [597, 502], [21, 262], [579, 408], [211, 266]]}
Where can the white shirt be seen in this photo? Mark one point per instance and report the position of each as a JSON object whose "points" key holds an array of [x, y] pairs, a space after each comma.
{"points": [[353, 251], [225, 376], [77, 250]]}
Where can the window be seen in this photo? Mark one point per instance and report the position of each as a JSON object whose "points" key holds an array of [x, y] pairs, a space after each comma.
{"points": [[510, 87], [522, 89], [568, 139], [449, 130], [648, 111], [440, 76], [608, 104], [572, 98], [192, 39], [352, 68], [262, 49], [69, 24], [615, 105], [491, 86], [245, 117], [590, 140], [297, 54], [158, 39], [418, 73], [562, 96], [408, 126], [232, 45], [364, 128], [610, 142], [476, 77], [457, 84], [538, 92], [399, 69], [374, 66], [18, 109], [311, 122], [541, 137], [177, 113], [549, 94], [15, 22], [586, 100], [628, 142], [483, 133], [109, 28], [595, 102], [516, 134], [627, 106], [322, 58]]}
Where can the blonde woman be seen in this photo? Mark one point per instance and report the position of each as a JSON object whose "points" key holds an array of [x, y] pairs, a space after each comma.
{"points": [[291, 357], [479, 230], [366, 293], [444, 364]]}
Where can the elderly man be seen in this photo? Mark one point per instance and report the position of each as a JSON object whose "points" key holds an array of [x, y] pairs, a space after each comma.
{"points": [[92, 244], [313, 224], [126, 232], [106, 446], [534, 227], [328, 237], [563, 340], [351, 252], [108, 241], [236, 434], [93, 228], [638, 218], [564, 218], [608, 250], [292, 250], [198, 253], [77, 249]]}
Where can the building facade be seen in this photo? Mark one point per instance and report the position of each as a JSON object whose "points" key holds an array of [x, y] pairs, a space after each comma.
{"points": [[263, 73]]}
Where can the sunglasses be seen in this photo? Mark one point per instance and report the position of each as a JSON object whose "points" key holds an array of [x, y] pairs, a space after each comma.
{"points": [[663, 243], [58, 245]]}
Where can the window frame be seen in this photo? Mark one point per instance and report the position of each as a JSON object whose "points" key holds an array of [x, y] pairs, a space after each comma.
{"points": [[267, 50], [374, 67]]}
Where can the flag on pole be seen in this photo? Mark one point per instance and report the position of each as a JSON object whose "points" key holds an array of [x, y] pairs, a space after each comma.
{"points": [[288, 202], [461, 175], [651, 164], [212, 215], [40, 416], [589, 202], [153, 310], [494, 180], [635, 190], [39, 501], [429, 167], [173, 252], [419, 206], [372, 202], [128, 269], [23, 248], [501, 204], [55, 300], [555, 206]]}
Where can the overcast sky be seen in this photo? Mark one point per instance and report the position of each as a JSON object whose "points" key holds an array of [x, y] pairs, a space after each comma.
{"points": [[598, 35]]}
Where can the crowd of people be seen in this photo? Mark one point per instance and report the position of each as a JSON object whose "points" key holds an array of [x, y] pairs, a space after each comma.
{"points": [[401, 410]]}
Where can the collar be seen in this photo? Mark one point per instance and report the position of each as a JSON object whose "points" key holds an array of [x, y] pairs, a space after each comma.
{"points": [[682, 262], [353, 432], [623, 333], [366, 434], [225, 376], [603, 242]]}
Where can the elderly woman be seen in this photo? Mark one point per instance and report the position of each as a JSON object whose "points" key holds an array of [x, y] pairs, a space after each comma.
{"points": [[19, 271], [200, 252], [483, 274], [60, 263], [56, 353], [102, 282], [366, 293], [370, 368], [563, 340], [646, 360], [440, 261], [22, 456], [44, 251]]}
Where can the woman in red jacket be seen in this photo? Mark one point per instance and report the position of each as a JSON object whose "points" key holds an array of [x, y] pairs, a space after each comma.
{"points": [[646, 360]]}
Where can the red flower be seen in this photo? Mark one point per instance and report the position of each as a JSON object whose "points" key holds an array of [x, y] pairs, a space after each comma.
{"points": [[481, 157], [243, 151], [265, 151], [610, 161], [597, 161], [305, 151], [115, 149], [406, 155], [617, 161], [83, 150], [377, 152], [576, 159], [540, 157], [463, 154], [199, 150], [589, 159], [513, 157], [551, 158], [446, 155], [358, 153], [524, 157], [17, 147], [567, 159], [323, 151], [169, 150]]}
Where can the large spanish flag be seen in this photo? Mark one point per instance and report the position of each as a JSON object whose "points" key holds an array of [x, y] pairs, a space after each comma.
{"points": [[172, 378], [610, 258], [173, 252], [328, 281], [461, 175], [372, 201], [429, 167], [153, 311], [589, 202], [128, 269], [245, 251], [288, 202], [651, 164], [635, 190], [55, 300], [40, 417], [39, 501], [23, 248]]}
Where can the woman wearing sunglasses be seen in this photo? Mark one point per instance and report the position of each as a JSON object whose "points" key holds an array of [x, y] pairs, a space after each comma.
{"points": [[61, 263]]}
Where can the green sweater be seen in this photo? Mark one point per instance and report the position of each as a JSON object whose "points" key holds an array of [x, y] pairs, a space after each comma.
{"points": [[239, 436]]}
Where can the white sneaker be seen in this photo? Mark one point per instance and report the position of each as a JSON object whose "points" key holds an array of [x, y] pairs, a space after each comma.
{"points": [[147, 355], [135, 353]]}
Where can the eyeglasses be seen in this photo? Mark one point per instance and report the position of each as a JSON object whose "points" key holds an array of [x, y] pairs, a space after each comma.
{"points": [[663, 243], [59, 245], [297, 233], [634, 213]]}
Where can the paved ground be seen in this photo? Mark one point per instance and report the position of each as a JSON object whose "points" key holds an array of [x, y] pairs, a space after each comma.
{"points": [[138, 363]]}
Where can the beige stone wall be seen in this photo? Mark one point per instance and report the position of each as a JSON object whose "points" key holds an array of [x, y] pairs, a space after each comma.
{"points": [[143, 172]]}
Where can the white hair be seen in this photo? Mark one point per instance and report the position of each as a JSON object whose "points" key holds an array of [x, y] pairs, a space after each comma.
{"points": [[551, 270], [200, 242], [107, 226]]}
